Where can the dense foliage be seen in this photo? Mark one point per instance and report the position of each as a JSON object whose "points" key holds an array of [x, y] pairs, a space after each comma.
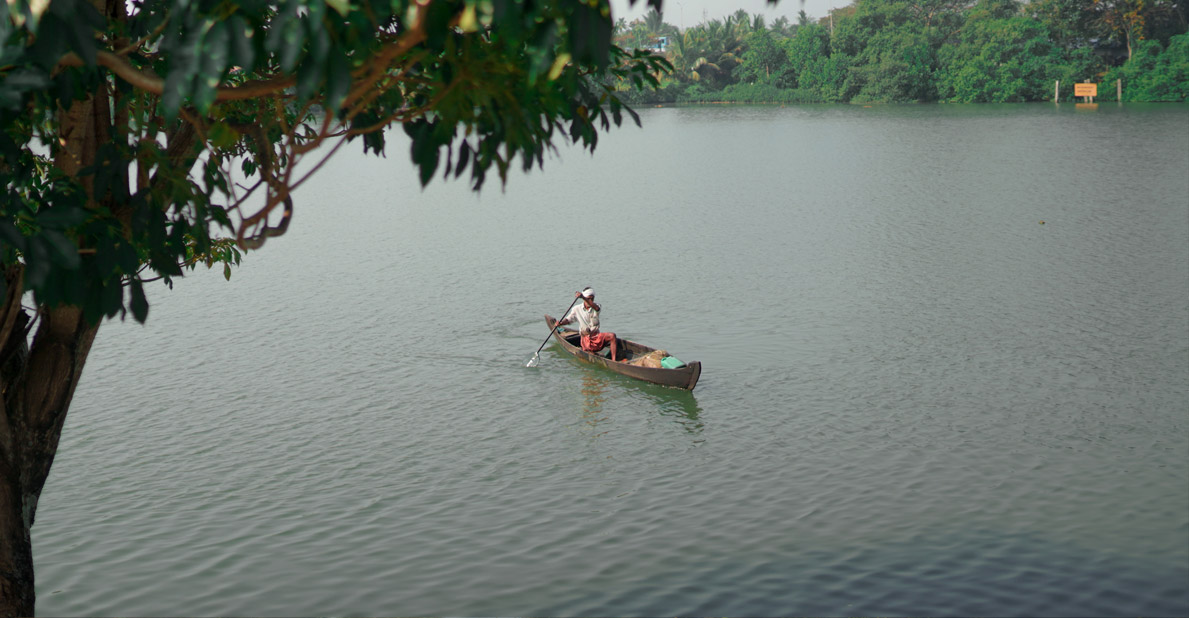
{"points": [[213, 103], [930, 50]]}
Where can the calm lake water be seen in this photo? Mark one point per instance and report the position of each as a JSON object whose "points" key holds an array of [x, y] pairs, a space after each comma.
{"points": [[916, 397]]}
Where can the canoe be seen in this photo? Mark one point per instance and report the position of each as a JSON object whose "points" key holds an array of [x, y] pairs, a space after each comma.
{"points": [[683, 377]]}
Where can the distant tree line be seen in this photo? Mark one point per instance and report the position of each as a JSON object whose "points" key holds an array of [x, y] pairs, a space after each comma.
{"points": [[926, 50]]}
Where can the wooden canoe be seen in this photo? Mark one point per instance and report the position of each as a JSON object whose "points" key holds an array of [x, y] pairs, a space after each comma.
{"points": [[684, 377]]}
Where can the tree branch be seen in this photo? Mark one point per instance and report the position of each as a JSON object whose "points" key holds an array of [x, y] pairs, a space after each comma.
{"points": [[149, 81]]}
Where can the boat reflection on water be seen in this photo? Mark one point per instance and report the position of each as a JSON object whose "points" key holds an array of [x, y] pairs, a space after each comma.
{"points": [[677, 404], [593, 396]]}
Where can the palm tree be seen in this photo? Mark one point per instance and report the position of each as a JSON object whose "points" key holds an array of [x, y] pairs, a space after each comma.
{"points": [[783, 27], [758, 23], [621, 27], [680, 58], [710, 52], [648, 32], [654, 22]]}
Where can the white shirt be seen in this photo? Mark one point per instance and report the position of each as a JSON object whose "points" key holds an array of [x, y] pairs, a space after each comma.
{"points": [[588, 319]]}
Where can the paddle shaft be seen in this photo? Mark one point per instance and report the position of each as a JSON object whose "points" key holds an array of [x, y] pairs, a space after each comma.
{"points": [[563, 316]]}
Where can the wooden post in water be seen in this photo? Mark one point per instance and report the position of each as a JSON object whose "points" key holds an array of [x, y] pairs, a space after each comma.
{"points": [[1057, 92], [1119, 90]]}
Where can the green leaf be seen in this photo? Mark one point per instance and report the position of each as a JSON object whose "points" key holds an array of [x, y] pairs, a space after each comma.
{"points": [[590, 33], [61, 217], [338, 75], [222, 136], [11, 236], [184, 65], [216, 51], [23, 80], [308, 77], [429, 164], [437, 20], [82, 20], [464, 157], [634, 115], [51, 43], [105, 258], [126, 257], [137, 301], [285, 36], [243, 53], [62, 250], [311, 73], [109, 302], [37, 266]]}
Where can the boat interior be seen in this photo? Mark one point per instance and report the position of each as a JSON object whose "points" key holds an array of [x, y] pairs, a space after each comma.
{"points": [[629, 349]]}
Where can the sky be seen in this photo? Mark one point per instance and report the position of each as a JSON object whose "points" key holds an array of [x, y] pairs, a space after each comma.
{"points": [[687, 13]]}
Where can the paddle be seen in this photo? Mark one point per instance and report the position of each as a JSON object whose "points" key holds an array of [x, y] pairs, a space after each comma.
{"points": [[532, 362]]}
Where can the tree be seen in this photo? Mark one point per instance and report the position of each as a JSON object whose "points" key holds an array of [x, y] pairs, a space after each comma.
{"points": [[1067, 21], [893, 43], [1123, 19], [765, 62], [1074, 24], [1131, 21], [782, 27], [646, 32], [897, 65], [1154, 73], [818, 74], [654, 22], [758, 23], [710, 52], [1001, 56], [133, 133]]}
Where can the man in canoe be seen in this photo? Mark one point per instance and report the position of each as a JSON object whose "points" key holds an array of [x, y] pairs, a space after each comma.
{"points": [[587, 316]]}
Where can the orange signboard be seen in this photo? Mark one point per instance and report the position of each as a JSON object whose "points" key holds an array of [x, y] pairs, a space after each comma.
{"points": [[1085, 90]]}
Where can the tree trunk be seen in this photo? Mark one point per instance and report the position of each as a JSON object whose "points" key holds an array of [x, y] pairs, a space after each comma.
{"points": [[34, 409], [37, 381], [38, 384], [16, 556]]}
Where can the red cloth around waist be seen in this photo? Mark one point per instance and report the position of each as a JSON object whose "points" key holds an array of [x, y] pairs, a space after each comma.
{"points": [[597, 341]]}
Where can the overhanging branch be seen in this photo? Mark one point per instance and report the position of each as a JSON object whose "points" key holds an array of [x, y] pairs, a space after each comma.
{"points": [[148, 81]]}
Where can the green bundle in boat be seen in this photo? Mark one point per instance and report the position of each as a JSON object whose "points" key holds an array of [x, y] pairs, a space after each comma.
{"points": [[672, 362]]}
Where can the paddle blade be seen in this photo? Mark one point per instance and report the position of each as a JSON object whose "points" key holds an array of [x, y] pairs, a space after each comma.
{"points": [[532, 362]]}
